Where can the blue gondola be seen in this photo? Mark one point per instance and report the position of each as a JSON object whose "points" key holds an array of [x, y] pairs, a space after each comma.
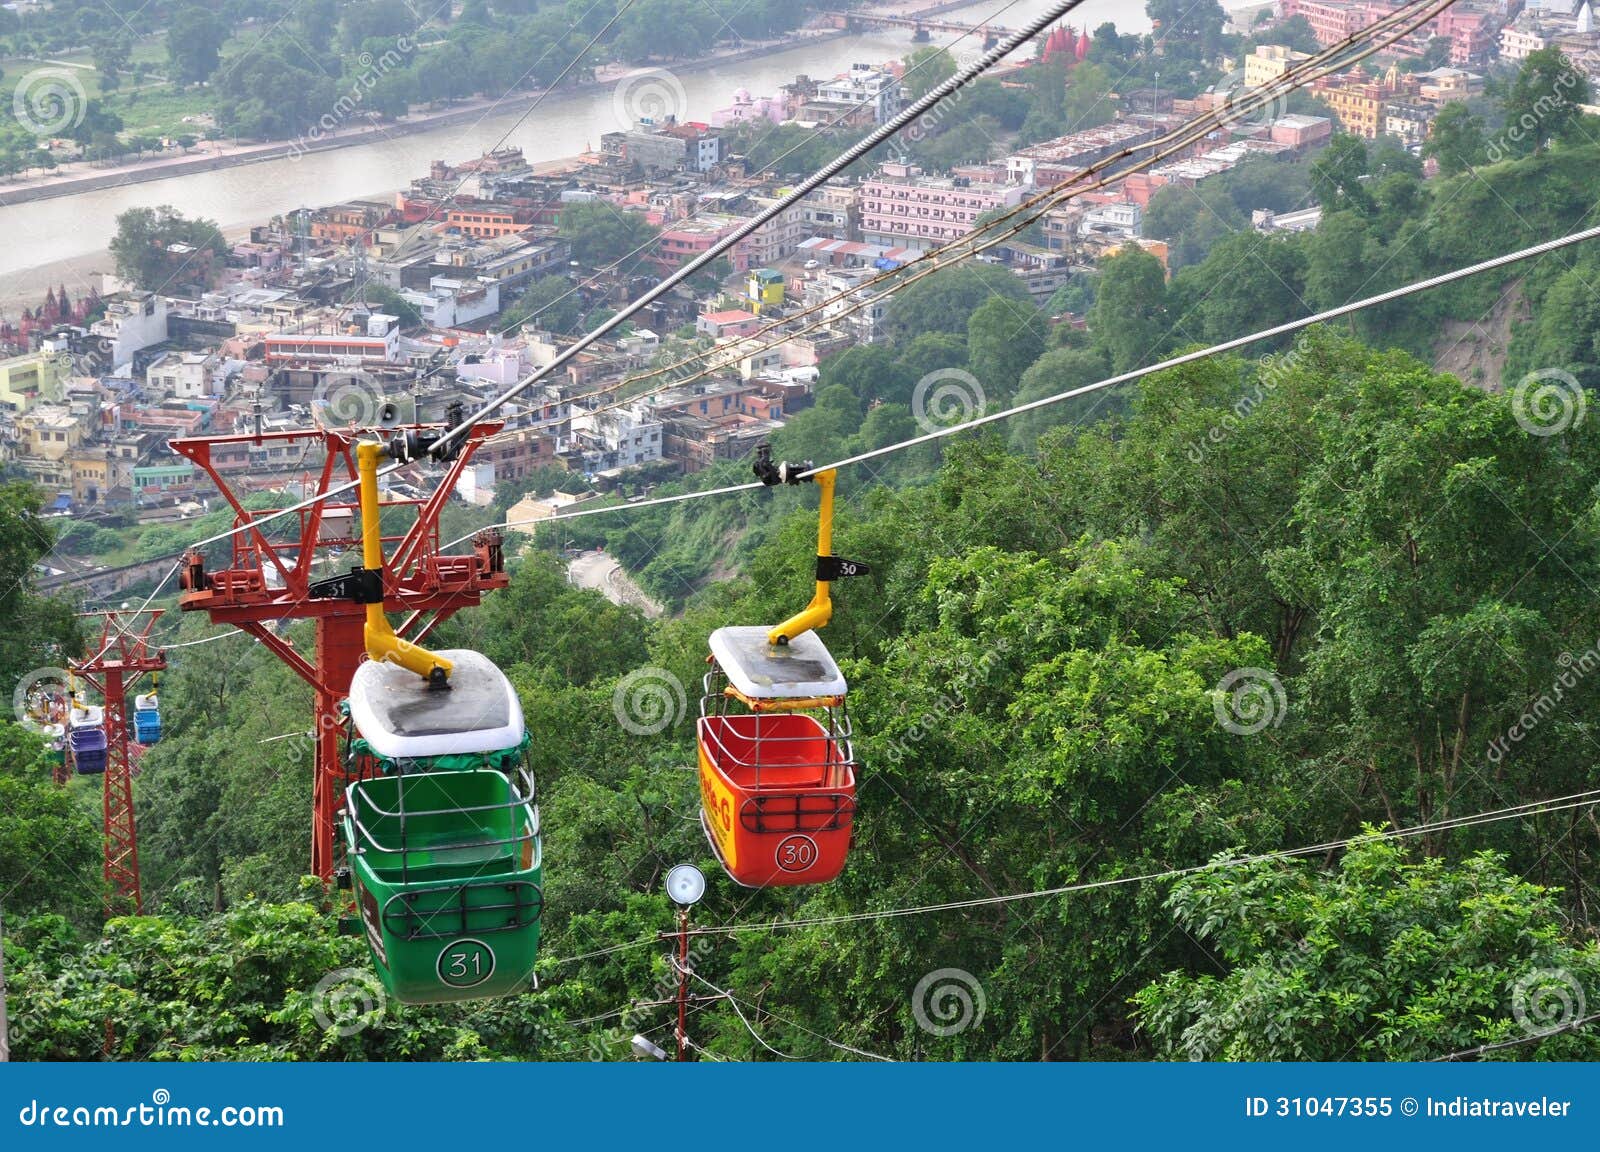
{"points": [[87, 740], [146, 719]]}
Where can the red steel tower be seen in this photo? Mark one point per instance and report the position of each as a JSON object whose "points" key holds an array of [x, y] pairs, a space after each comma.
{"points": [[266, 581], [121, 657]]}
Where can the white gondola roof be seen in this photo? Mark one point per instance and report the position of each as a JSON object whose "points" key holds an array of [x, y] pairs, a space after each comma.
{"points": [[799, 669], [88, 715], [397, 713]]}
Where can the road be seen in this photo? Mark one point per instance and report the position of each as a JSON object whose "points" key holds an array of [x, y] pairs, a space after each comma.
{"points": [[602, 572]]}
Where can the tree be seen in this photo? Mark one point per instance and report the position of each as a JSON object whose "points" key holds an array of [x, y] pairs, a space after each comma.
{"points": [[1004, 337], [49, 837], [1383, 958], [111, 56], [550, 303], [601, 234], [1047, 101], [194, 45], [1342, 257], [1265, 278], [384, 299], [871, 372], [1458, 142], [1543, 101], [1296, 33], [1057, 371], [144, 235], [925, 69], [543, 621], [1191, 220], [1189, 31], [1336, 175], [1086, 104], [944, 301], [1129, 317]]}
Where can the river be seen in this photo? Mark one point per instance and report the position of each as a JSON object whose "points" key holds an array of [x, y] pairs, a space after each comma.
{"points": [[64, 239]]}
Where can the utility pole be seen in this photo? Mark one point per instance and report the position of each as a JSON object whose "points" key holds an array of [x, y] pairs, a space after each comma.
{"points": [[685, 885], [683, 983], [5, 1023]]}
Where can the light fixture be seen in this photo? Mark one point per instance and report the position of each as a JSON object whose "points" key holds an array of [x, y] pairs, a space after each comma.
{"points": [[644, 1047], [685, 885]]}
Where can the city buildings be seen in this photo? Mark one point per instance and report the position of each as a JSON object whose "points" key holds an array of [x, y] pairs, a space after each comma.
{"points": [[903, 205]]}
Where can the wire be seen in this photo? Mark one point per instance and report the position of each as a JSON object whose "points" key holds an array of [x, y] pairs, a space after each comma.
{"points": [[203, 640], [1329, 60], [734, 1002], [821, 176], [750, 1028], [1534, 807], [1472, 1053], [1493, 816], [949, 86], [1124, 378]]}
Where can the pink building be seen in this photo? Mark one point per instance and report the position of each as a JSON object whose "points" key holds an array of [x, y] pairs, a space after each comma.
{"points": [[682, 242], [901, 205], [725, 325], [1471, 33], [746, 107]]}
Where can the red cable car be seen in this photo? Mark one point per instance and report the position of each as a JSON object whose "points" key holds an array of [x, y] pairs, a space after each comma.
{"points": [[777, 769]]}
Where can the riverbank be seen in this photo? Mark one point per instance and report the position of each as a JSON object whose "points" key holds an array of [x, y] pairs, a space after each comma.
{"points": [[218, 156]]}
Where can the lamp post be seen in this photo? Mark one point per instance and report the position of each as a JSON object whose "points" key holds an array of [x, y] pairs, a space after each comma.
{"points": [[685, 885]]}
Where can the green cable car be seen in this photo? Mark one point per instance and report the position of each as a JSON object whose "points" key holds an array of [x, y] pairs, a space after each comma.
{"points": [[440, 826], [443, 842]]}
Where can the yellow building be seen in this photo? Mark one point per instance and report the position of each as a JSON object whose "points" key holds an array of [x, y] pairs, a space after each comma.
{"points": [[50, 432], [91, 476], [1268, 62], [764, 288], [26, 380]]}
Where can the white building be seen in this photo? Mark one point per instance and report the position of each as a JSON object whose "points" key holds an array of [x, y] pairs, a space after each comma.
{"points": [[133, 321], [866, 324], [500, 367], [864, 85], [182, 375], [619, 438], [475, 485], [778, 238], [450, 303], [1108, 221]]}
